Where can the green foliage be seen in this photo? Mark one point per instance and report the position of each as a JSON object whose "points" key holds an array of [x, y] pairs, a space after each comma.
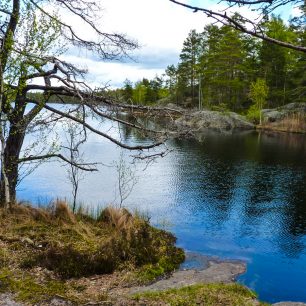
{"points": [[28, 289], [222, 107], [139, 93], [204, 294], [219, 65], [258, 94], [253, 114], [166, 264]]}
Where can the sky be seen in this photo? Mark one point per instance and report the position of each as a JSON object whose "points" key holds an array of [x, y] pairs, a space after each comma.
{"points": [[159, 26]]}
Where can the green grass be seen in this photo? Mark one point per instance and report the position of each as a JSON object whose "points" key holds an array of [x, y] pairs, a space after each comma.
{"points": [[204, 294], [49, 252], [77, 245], [28, 289]]}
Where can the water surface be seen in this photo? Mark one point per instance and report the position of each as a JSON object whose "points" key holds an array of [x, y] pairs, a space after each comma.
{"points": [[240, 196]]}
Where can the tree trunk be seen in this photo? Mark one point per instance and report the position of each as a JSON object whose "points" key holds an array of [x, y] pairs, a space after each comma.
{"points": [[4, 190], [11, 157], [6, 47], [5, 198]]}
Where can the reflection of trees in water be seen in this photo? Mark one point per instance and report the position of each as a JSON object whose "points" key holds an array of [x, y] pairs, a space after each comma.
{"points": [[292, 140], [293, 229], [276, 206], [266, 167], [296, 208], [260, 190], [128, 133], [283, 148], [285, 182], [213, 192]]}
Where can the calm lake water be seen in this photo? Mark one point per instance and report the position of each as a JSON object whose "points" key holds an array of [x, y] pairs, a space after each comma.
{"points": [[239, 196]]}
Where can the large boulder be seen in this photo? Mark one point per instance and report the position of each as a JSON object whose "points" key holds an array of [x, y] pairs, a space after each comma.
{"points": [[202, 121]]}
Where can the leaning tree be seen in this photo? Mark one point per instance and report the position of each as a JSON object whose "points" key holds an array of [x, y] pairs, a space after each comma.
{"points": [[33, 35], [246, 25]]}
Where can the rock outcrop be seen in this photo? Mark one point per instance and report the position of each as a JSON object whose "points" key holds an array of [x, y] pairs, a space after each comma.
{"points": [[283, 112], [202, 121]]}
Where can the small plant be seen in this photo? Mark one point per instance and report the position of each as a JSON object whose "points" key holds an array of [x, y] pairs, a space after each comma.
{"points": [[126, 179], [222, 107], [258, 94], [253, 114]]}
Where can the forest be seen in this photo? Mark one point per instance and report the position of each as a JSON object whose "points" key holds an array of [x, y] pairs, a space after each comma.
{"points": [[221, 67]]}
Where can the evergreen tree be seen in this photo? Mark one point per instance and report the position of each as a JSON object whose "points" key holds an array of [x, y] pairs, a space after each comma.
{"points": [[298, 76], [224, 67], [277, 62], [188, 66], [171, 82], [127, 92]]}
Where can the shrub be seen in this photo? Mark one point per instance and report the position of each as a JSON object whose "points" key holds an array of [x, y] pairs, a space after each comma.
{"points": [[253, 114]]}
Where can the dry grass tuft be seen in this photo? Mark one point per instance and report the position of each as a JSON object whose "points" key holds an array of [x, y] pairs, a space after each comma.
{"points": [[73, 246], [294, 122], [61, 211], [25, 211], [120, 218]]}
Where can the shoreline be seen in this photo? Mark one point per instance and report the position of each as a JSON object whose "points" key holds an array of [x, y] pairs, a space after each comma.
{"points": [[264, 128]]}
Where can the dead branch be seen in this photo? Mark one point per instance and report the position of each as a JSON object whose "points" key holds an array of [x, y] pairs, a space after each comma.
{"points": [[238, 25]]}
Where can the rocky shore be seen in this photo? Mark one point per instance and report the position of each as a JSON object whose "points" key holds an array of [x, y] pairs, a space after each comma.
{"points": [[201, 121], [211, 271], [288, 118]]}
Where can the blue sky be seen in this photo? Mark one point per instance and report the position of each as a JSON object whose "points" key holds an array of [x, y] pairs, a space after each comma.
{"points": [[159, 26]]}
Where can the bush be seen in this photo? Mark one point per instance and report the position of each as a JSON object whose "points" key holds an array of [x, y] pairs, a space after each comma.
{"points": [[253, 114]]}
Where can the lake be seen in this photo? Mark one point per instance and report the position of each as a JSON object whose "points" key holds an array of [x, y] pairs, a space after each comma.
{"points": [[240, 196]]}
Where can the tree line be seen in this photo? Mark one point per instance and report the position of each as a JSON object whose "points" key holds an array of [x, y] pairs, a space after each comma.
{"points": [[219, 68]]}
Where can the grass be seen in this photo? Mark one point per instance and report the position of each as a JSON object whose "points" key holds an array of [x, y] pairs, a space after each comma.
{"points": [[28, 289], [67, 245], [203, 294], [295, 123], [52, 252]]}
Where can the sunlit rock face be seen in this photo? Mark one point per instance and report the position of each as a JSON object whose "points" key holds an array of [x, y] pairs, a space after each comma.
{"points": [[202, 121]]}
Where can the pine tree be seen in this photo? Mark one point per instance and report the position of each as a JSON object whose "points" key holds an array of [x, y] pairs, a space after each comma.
{"points": [[277, 63], [188, 66], [127, 91], [225, 67]]}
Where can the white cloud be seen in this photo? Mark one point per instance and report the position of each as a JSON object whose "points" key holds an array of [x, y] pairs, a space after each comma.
{"points": [[112, 73], [155, 23], [159, 26]]}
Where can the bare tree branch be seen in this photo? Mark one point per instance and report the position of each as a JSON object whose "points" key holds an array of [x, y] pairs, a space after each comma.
{"points": [[238, 25], [118, 42], [105, 135], [83, 166]]}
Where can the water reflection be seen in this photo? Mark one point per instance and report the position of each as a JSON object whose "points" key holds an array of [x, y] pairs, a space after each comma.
{"points": [[237, 196]]}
